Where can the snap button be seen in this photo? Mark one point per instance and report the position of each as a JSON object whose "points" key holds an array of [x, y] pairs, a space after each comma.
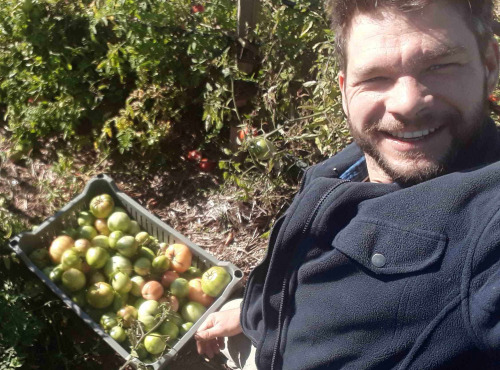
{"points": [[378, 260]]}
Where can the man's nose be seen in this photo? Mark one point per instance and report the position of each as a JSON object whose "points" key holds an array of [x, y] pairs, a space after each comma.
{"points": [[408, 98]]}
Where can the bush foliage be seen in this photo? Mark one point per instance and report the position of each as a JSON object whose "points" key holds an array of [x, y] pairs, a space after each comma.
{"points": [[126, 74]]}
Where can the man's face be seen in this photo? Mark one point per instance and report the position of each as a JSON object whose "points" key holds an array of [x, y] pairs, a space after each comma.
{"points": [[415, 90]]}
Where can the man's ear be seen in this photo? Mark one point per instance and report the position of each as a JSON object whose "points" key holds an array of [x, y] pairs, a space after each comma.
{"points": [[491, 61], [342, 82]]}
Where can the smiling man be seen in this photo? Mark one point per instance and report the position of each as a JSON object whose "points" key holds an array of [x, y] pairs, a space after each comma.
{"points": [[389, 256], [414, 88]]}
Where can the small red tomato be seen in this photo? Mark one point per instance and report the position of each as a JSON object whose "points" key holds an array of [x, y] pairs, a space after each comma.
{"points": [[198, 8], [248, 131], [206, 165], [493, 98], [194, 155]]}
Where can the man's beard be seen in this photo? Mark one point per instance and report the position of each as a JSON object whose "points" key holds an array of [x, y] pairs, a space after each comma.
{"points": [[463, 134]]}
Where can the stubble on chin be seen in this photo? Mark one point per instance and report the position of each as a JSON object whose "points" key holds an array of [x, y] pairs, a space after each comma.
{"points": [[414, 167]]}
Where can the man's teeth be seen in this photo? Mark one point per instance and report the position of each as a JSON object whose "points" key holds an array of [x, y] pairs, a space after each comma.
{"points": [[414, 134]]}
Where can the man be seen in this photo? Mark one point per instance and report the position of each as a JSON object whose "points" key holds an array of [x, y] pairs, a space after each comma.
{"points": [[389, 256]]}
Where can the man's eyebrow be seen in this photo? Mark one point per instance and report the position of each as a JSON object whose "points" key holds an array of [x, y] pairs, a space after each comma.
{"points": [[426, 57], [441, 52]]}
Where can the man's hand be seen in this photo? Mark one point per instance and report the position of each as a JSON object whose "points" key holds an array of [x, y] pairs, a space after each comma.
{"points": [[210, 335]]}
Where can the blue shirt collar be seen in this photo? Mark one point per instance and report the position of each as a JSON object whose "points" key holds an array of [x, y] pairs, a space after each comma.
{"points": [[357, 172]]}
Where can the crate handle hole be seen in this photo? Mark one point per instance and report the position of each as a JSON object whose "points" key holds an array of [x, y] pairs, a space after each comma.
{"points": [[238, 274], [14, 243]]}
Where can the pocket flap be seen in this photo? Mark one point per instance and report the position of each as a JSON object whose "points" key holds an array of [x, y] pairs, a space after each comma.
{"points": [[387, 248]]}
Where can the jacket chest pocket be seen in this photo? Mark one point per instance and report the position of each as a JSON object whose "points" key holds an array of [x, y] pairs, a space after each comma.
{"points": [[392, 273], [387, 248]]}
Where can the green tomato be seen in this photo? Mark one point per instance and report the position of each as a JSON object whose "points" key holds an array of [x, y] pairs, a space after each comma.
{"points": [[100, 295], [108, 320], [154, 343], [87, 232], [147, 253], [79, 298], [119, 221], [114, 237], [134, 228], [97, 257], [120, 300], [192, 311], [71, 232], [101, 241], [142, 266], [118, 263], [118, 334], [149, 307], [262, 149], [161, 264], [121, 282], [56, 274], [40, 257], [138, 283], [149, 321], [192, 273], [215, 280], [180, 287], [142, 238], [175, 318], [141, 352], [71, 259], [73, 279], [127, 246], [102, 205], [85, 219], [170, 329], [185, 327]]}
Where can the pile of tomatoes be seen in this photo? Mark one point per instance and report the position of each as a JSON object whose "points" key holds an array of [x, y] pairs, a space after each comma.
{"points": [[128, 281]]}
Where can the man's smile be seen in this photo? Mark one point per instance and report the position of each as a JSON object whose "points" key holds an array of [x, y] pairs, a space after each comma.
{"points": [[412, 134]]}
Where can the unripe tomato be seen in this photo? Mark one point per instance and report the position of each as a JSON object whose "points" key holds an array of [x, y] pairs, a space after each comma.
{"points": [[215, 280], [102, 205], [154, 344], [118, 334], [262, 149]]}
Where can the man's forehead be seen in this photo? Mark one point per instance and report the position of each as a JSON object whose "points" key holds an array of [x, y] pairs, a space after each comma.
{"points": [[388, 31]]}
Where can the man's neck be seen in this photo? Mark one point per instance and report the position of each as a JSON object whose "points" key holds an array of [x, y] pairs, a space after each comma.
{"points": [[375, 173]]}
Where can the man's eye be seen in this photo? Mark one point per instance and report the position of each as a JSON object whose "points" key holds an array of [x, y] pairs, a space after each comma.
{"points": [[375, 79], [437, 67]]}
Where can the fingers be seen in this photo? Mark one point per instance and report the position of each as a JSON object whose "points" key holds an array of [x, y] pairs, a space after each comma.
{"points": [[210, 347]]}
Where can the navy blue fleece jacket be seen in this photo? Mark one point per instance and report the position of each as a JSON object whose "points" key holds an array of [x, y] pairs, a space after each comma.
{"points": [[377, 276]]}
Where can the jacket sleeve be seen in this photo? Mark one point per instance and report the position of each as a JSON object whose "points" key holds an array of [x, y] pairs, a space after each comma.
{"points": [[482, 287]]}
